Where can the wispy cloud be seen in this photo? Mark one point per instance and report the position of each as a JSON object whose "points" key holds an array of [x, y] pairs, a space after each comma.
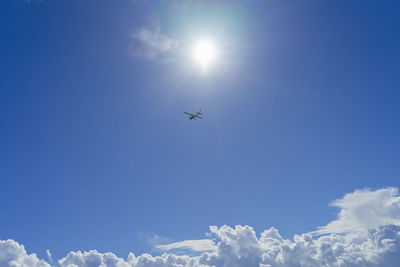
{"points": [[377, 213], [151, 42], [49, 256], [194, 245]]}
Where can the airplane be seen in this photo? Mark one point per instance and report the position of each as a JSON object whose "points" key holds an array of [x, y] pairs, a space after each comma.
{"points": [[194, 116]]}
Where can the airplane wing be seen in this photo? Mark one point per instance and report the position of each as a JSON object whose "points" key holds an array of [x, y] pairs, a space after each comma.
{"points": [[187, 113]]}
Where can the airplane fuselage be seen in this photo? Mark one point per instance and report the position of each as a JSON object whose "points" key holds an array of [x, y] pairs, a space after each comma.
{"points": [[194, 116]]}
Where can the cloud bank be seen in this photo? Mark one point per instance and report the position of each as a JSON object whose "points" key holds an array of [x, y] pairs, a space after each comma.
{"points": [[366, 232]]}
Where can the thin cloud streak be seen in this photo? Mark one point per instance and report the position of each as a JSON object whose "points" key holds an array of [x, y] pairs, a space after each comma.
{"points": [[194, 245], [151, 43]]}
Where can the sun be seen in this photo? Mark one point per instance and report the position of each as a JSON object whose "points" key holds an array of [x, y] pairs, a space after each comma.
{"points": [[204, 53]]}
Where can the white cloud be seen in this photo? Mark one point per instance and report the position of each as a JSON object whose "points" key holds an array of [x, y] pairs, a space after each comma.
{"points": [[13, 254], [49, 256], [194, 245], [151, 42], [363, 210], [342, 243]]}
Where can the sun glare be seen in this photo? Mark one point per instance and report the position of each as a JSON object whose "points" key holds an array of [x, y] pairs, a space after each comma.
{"points": [[204, 53]]}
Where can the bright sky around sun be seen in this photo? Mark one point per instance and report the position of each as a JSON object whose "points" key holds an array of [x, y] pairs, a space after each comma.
{"points": [[300, 131], [204, 53]]}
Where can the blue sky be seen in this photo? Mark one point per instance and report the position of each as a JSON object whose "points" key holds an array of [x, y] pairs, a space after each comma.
{"points": [[300, 107]]}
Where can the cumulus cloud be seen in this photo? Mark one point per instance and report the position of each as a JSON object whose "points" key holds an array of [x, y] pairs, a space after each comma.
{"points": [[151, 43], [339, 243], [13, 254], [363, 210]]}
